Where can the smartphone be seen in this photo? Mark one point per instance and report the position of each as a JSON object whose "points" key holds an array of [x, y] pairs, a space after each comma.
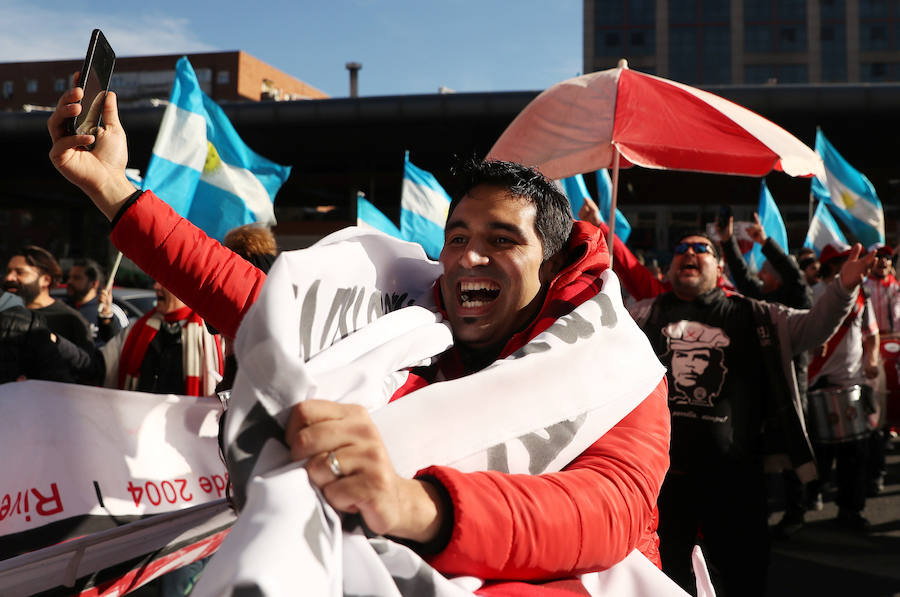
{"points": [[94, 79], [724, 215]]}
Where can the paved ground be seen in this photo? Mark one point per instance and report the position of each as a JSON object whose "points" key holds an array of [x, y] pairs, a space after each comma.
{"points": [[822, 560]]}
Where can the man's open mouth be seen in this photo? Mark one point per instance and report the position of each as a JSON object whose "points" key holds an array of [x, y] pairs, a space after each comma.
{"points": [[478, 293]]}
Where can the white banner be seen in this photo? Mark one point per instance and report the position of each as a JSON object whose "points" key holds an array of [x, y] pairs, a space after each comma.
{"points": [[71, 451], [516, 416]]}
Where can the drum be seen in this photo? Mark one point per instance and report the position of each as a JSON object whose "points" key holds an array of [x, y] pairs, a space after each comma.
{"points": [[837, 415], [890, 387]]}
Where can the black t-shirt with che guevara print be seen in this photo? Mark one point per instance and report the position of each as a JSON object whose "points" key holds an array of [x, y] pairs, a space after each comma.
{"points": [[717, 381]]}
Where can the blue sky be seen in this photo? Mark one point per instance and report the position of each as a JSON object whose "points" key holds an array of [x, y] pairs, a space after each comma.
{"points": [[405, 46]]}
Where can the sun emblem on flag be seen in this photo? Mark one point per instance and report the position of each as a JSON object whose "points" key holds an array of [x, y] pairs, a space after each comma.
{"points": [[213, 161], [848, 199]]}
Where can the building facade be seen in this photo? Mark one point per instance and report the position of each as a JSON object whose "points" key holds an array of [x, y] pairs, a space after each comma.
{"points": [[722, 42], [224, 76]]}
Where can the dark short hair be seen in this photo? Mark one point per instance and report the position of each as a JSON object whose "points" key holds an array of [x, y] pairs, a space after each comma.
{"points": [[717, 250], [553, 218], [92, 270], [41, 259]]}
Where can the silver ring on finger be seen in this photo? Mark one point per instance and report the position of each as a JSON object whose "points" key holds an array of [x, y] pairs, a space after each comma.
{"points": [[334, 466]]}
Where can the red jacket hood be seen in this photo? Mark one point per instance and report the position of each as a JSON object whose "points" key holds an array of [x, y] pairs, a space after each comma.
{"points": [[577, 282]]}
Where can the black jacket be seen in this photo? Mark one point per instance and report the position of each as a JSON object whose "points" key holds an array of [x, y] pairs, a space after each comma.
{"points": [[26, 349]]}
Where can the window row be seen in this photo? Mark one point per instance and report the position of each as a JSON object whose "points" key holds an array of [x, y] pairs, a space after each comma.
{"points": [[32, 86]]}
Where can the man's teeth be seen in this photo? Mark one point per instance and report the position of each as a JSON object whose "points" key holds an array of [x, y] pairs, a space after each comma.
{"points": [[472, 293], [464, 286]]}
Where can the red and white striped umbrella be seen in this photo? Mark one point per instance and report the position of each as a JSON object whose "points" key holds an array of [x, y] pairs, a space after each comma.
{"points": [[577, 126], [618, 118]]}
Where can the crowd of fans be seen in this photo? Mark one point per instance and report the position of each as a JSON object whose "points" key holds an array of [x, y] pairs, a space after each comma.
{"points": [[754, 363]]}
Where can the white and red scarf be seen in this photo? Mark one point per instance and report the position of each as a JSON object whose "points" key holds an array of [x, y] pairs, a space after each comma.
{"points": [[201, 351]]}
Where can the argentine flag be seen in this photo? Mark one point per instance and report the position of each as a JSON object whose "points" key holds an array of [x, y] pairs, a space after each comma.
{"points": [[850, 193], [369, 216], [604, 202], [576, 191], [423, 209], [823, 230], [202, 168], [772, 224]]}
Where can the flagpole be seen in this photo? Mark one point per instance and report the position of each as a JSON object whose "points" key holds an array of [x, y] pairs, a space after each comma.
{"points": [[112, 273], [111, 279], [612, 205]]}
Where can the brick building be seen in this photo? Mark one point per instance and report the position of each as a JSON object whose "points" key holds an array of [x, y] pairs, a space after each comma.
{"points": [[224, 76]]}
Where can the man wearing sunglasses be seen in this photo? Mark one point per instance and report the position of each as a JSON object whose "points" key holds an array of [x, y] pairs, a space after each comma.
{"points": [[715, 487]]}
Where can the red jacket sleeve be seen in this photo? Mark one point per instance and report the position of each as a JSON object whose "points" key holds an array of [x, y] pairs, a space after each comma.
{"points": [[587, 517], [636, 278], [208, 277]]}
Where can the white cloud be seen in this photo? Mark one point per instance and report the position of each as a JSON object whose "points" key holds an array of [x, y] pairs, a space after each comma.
{"points": [[29, 32]]}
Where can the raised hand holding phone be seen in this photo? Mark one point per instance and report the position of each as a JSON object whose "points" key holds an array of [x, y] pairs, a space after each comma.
{"points": [[93, 160], [94, 77]]}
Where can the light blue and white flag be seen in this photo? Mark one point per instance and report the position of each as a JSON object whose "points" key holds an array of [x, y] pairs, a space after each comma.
{"points": [[369, 216], [850, 193], [604, 202], [576, 190], [823, 230], [424, 205], [134, 177], [202, 168], [772, 224]]}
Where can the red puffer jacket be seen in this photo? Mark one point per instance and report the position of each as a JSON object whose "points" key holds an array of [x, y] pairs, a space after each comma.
{"points": [[534, 528]]}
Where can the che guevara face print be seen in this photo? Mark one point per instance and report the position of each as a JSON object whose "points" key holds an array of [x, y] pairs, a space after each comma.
{"points": [[696, 362]]}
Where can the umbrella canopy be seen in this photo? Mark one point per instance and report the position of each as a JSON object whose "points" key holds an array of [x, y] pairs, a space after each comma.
{"points": [[574, 127]]}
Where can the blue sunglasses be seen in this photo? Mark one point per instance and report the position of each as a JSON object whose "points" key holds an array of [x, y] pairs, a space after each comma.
{"points": [[681, 248]]}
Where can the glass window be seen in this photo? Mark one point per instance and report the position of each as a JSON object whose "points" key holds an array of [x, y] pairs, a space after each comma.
{"points": [[683, 54], [874, 9], [31, 86], [873, 72], [754, 10], [834, 56], [873, 36], [223, 77], [792, 73], [758, 38], [8, 88], [59, 85], [791, 38], [758, 74], [832, 10], [791, 10], [641, 12], [683, 12], [609, 43], [827, 33], [609, 13], [716, 11], [641, 42], [716, 56]]}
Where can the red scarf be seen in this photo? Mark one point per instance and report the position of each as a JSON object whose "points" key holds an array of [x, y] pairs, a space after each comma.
{"points": [[196, 345]]}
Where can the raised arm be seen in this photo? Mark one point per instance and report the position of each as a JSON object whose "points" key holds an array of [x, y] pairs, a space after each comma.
{"points": [[746, 283], [812, 328], [636, 278], [208, 277], [794, 289]]}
